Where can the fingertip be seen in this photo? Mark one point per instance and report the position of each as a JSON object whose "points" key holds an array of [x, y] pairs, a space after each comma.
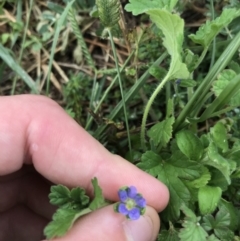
{"points": [[105, 224]]}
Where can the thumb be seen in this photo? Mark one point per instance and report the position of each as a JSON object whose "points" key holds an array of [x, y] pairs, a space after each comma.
{"points": [[105, 224]]}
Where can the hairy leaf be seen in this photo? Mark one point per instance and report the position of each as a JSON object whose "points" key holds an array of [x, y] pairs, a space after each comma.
{"points": [[63, 220], [226, 167], [233, 212], [221, 83], [59, 195], [98, 200], [172, 172], [192, 229], [141, 6], [172, 27], [202, 180], [161, 132], [219, 224], [210, 29], [168, 235], [63, 197]]}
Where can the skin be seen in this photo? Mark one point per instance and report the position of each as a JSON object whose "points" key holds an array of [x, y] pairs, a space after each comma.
{"points": [[40, 145]]}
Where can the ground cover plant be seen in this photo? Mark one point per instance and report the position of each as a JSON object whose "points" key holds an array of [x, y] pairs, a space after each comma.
{"points": [[164, 70]]}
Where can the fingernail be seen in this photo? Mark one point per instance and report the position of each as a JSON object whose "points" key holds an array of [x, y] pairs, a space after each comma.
{"points": [[139, 230]]}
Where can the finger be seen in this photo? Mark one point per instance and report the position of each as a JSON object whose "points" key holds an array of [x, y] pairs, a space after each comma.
{"points": [[29, 189], [21, 224], [63, 152], [105, 224]]}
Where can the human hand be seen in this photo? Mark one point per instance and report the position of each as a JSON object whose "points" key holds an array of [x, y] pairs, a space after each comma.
{"points": [[40, 144]]}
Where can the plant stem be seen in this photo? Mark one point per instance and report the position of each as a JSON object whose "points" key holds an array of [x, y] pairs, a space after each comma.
{"points": [[214, 40], [108, 89], [199, 95], [148, 106], [121, 88], [131, 93], [23, 42]]}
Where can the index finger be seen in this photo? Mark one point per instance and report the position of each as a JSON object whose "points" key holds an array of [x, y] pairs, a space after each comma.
{"points": [[36, 130]]}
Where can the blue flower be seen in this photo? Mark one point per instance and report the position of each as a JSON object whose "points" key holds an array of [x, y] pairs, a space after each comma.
{"points": [[131, 204]]}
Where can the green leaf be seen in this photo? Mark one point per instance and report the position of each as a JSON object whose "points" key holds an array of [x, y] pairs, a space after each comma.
{"points": [[233, 212], [59, 195], [219, 225], [208, 198], [210, 29], [202, 180], [189, 144], [218, 179], [172, 27], [79, 199], [157, 72], [161, 132], [63, 220], [63, 197], [141, 6], [221, 83], [168, 235], [192, 229], [172, 172], [219, 135], [150, 162], [187, 83], [226, 167], [213, 238], [98, 200], [11, 62], [190, 59]]}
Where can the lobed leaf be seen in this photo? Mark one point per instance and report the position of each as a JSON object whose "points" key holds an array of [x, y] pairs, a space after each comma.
{"points": [[172, 27], [219, 224], [63, 220], [172, 172], [142, 6], [98, 200], [59, 195], [210, 29], [192, 230], [221, 83], [226, 167], [161, 132], [168, 235]]}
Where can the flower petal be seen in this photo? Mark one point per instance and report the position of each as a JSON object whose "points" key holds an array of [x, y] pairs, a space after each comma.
{"points": [[134, 214], [122, 209], [140, 201], [122, 195], [132, 191]]}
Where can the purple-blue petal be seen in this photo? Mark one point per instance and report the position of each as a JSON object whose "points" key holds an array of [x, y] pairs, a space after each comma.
{"points": [[140, 201], [134, 214], [122, 209], [122, 195], [132, 191]]}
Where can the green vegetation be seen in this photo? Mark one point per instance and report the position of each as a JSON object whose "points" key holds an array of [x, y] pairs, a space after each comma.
{"points": [[141, 69]]}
